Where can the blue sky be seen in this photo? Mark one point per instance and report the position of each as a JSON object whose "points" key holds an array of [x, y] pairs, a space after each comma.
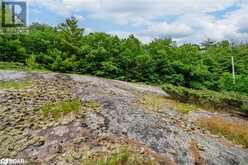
{"points": [[183, 20]]}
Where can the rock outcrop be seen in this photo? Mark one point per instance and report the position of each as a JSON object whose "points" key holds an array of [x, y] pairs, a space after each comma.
{"points": [[113, 114]]}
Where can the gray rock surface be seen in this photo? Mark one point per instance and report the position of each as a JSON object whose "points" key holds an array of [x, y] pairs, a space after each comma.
{"points": [[166, 132]]}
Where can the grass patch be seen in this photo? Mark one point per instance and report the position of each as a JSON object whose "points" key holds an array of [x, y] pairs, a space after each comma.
{"points": [[62, 108], [157, 103], [209, 99], [236, 132], [123, 156], [15, 66], [12, 66], [152, 102], [17, 85]]}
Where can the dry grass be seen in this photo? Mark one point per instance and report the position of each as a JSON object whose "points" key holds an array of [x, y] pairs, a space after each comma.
{"points": [[234, 131]]}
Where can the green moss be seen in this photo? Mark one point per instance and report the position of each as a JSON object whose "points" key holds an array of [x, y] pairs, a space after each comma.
{"points": [[14, 84], [59, 109]]}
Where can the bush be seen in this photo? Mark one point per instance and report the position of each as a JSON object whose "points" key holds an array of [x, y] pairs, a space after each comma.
{"points": [[209, 99], [226, 83]]}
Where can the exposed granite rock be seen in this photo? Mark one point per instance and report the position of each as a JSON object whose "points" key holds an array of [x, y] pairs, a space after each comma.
{"points": [[166, 136]]}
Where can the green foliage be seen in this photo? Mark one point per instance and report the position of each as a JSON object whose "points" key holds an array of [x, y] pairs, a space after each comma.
{"points": [[65, 48], [226, 83], [209, 99], [11, 49]]}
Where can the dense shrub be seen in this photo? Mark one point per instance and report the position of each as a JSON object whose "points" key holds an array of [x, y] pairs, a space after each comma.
{"points": [[209, 99]]}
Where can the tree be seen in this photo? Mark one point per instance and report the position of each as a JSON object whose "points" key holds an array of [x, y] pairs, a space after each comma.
{"points": [[130, 48], [70, 35], [207, 43], [66, 48]]}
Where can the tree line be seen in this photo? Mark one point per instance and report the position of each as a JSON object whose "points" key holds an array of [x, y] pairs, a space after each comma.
{"points": [[66, 48]]}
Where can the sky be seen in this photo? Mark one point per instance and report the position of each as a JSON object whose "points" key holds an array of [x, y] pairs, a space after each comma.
{"points": [[182, 20]]}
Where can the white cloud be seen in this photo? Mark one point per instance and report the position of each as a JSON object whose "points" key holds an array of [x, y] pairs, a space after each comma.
{"points": [[192, 23], [148, 8], [164, 29]]}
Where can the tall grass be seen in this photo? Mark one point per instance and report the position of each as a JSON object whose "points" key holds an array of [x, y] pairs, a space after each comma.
{"points": [[236, 132]]}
